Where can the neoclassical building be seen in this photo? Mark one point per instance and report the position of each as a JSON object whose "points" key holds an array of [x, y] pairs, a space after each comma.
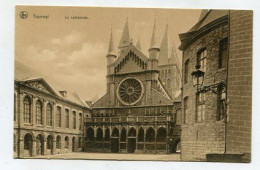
{"points": [[139, 112], [46, 121]]}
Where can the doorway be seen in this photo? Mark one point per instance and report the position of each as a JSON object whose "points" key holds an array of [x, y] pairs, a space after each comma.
{"points": [[131, 145], [114, 145]]}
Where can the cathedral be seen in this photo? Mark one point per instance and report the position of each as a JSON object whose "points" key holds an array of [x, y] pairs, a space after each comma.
{"points": [[141, 110]]}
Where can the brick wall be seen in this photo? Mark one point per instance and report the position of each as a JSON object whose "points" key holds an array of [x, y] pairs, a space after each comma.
{"points": [[240, 83], [198, 139]]}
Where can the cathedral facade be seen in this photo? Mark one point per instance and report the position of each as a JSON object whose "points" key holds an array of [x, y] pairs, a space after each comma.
{"points": [[138, 113]]}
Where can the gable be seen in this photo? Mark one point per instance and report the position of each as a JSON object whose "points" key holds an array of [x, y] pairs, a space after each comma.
{"points": [[39, 84], [131, 60]]}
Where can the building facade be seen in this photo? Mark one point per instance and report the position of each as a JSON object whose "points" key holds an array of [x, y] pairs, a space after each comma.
{"points": [[46, 121], [212, 126], [137, 114]]}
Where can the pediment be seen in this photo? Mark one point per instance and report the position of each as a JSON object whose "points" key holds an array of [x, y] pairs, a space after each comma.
{"points": [[40, 84]]}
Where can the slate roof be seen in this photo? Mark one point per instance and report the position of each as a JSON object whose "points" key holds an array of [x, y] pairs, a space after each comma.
{"points": [[25, 74]]}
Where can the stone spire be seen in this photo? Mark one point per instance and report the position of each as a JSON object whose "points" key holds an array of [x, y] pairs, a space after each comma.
{"points": [[203, 13], [173, 57], [154, 38], [164, 54], [125, 38], [111, 49], [138, 44]]}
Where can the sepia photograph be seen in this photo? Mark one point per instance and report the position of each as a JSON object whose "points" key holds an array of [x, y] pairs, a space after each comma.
{"points": [[133, 84]]}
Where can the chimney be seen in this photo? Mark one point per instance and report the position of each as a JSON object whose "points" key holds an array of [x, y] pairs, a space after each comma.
{"points": [[63, 93]]}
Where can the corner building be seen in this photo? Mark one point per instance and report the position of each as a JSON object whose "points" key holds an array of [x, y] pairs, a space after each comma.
{"points": [[137, 114], [213, 128]]}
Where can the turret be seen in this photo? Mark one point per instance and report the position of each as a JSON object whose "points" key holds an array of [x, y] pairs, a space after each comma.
{"points": [[154, 51], [111, 55], [125, 39], [163, 58], [138, 45]]}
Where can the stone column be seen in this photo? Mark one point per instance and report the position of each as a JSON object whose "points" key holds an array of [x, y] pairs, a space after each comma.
{"points": [[21, 147], [54, 146], [34, 99], [45, 147], [44, 113], [34, 148], [21, 108], [54, 115]]}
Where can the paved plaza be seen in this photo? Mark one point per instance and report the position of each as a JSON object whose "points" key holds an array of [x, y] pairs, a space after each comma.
{"points": [[111, 156]]}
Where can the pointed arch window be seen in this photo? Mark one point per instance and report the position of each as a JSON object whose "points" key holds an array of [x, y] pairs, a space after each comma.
{"points": [[27, 110], [39, 116]]}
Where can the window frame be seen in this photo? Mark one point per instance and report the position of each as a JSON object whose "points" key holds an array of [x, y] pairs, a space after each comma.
{"points": [[223, 42], [185, 109], [200, 107], [186, 71], [39, 112], [202, 60], [27, 110]]}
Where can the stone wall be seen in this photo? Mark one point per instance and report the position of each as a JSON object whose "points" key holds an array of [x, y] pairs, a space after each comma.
{"points": [[198, 139], [240, 83]]}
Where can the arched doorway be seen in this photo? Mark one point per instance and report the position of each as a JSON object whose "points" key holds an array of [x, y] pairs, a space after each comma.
{"points": [[107, 135], [150, 135], [66, 142], [123, 139], [131, 145], [161, 135], [90, 139], [50, 144], [73, 144], [40, 145], [115, 141], [99, 134], [58, 144], [28, 145]]}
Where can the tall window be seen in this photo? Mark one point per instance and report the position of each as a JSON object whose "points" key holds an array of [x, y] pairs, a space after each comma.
{"points": [[39, 113], [67, 119], [49, 114], [27, 110], [202, 58], [79, 142], [80, 121], [185, 110], [186, 71], [74, 119], [58, 120], [200, 115], [58, 142], [223, 53], [66, 142], [221, 103]]}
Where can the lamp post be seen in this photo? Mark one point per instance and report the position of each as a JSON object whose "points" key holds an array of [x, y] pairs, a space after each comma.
{"points": [[198, 79]]}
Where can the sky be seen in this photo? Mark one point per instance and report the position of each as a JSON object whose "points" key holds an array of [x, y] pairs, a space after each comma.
{"points": [[71, 53]]}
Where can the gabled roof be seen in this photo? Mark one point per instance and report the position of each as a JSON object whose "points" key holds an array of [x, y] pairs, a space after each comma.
{"points": [[206, 18], [33, 79]]}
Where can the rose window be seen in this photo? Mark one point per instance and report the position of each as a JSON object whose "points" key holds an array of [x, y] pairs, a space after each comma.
{"points": [[130, 91]]}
